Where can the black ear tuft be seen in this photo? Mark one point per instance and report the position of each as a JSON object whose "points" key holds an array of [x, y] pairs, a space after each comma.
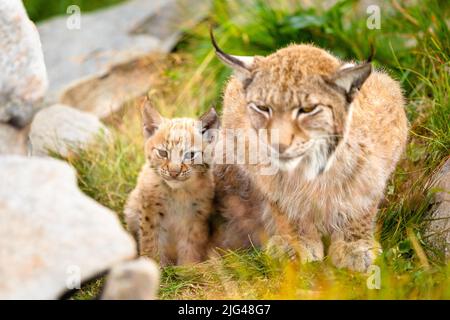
{"points": [[210, 120], [372, 52], [225, 57], [209, 123], [241, 65]]}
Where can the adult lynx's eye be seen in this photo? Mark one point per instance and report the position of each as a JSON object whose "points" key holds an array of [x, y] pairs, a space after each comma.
{"points": [[307, 109], [161, 153]]}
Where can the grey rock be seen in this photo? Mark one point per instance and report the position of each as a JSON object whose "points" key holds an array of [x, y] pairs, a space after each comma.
{"points": [[132, 280], [23, 78], [52, 236], [438, 229], [12, 140], [61, 129], [106, 94], [112, 36]]}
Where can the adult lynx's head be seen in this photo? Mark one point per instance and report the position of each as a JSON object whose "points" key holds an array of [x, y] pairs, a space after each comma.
{"points": [[304, 95], [175, 147]]}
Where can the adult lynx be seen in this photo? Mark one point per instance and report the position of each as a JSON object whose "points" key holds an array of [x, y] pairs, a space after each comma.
{"points": [[341, 130]]}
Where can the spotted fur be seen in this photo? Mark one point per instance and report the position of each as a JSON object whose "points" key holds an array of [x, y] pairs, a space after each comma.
{"points": [[168, 212]]}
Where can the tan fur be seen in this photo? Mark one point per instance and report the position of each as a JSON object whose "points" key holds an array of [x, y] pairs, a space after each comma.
{"points": [[169, 216], [238, 206], [340, 199]]}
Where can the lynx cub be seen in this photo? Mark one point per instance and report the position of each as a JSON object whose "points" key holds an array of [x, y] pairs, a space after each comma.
{"points": [[341, 130], [168, 211]]}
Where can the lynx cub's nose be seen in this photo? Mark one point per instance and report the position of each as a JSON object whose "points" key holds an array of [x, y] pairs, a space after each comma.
{"points": [[174, 170], [174, 174]]}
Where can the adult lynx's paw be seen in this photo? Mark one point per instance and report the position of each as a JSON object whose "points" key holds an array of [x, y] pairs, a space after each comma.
{"points": [[307, 250], [356, 255]]}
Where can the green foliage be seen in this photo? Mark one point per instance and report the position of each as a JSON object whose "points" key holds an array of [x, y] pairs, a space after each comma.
{"points": [[43, 9], [255, 27]]}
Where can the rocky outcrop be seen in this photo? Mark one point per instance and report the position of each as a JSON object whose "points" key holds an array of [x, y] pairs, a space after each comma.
{"points": [[23, 78], [85, 57], [133, 280], [60, 129], [438, 230], [52, 237], [104, 95], [12, 140]]}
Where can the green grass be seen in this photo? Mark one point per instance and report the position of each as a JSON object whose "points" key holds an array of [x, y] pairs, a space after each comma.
{"points": [[413, 45], [43, 9]]}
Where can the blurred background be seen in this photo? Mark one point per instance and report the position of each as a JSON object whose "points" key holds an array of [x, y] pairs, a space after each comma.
{"points": [[39, 10]]}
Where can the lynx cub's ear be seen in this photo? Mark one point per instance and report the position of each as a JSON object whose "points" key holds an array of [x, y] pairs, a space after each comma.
{"points": [[150, 117], [240, 64], [210, 122], [351, 79]]}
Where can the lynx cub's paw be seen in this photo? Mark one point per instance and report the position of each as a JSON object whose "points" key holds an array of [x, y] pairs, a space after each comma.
{"points": [[356, 256], [307, 250]]}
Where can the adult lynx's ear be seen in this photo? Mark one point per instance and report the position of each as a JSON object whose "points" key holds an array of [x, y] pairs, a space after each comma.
{"points": [[210, 123], [150, 117], [240, 64], [351, 79]]}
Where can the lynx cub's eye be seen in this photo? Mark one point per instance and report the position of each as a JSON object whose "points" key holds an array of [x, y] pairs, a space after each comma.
{"points": [[265, 110], [191, 155], [161, 153]]}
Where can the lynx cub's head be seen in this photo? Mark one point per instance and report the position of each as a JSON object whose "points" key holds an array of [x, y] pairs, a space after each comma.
{"points": [[301, 93], [175, 147]]}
